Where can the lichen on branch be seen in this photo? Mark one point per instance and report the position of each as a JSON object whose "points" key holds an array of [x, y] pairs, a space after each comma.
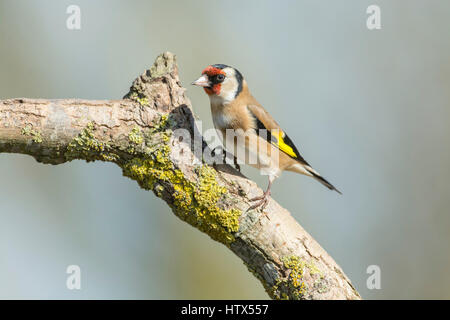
{"points": [[199, 202]]}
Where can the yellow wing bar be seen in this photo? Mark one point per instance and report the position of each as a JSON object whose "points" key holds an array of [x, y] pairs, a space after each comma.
{"points": [[281, 144]]}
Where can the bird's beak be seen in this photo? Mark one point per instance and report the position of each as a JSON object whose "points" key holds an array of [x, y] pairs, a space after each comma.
{"points": [[203, 81]]}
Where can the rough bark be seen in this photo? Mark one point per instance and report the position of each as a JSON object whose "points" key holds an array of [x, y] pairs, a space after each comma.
{"points": [[139, 133]]}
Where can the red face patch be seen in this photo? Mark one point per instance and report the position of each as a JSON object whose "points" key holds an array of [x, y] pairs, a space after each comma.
{"points": [[211, 72], [215, 89]]}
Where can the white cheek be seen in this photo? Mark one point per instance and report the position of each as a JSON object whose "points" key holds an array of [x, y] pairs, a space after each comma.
{"points": [[227, 96], [228, 90]]}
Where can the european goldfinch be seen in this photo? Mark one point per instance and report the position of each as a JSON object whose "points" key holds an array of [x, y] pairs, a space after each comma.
{"points": [[248, 130]]}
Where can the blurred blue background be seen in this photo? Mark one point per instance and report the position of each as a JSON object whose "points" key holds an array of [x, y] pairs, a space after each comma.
{"points": [[370, 110]]}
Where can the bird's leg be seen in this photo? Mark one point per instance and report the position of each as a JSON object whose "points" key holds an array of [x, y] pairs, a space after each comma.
{"points": [[263, 200]]}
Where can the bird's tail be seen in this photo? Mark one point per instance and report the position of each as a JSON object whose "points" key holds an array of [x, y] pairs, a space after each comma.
{"points": [[307, 170], [323, 181]]}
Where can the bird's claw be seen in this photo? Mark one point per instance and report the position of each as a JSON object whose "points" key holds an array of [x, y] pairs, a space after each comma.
{"points": [[261, 204], [262, 201]]}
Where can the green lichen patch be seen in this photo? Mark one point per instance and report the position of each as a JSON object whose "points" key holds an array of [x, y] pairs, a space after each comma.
{"points": [[135, 136], [166, 121], [296, 265], [87, 147], [197, 202], [321, 285], [139, 98], [292, 287], [34, 134], [314, 270]]}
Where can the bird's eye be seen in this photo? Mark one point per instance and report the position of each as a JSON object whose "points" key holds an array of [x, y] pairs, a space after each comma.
{"points": [[220, 77]]}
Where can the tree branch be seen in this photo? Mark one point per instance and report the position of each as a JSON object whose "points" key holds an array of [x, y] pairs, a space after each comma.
{"points": [[141, 135]]}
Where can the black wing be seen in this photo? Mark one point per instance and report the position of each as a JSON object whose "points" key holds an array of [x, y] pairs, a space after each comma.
{"points": [[282, 142]]}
